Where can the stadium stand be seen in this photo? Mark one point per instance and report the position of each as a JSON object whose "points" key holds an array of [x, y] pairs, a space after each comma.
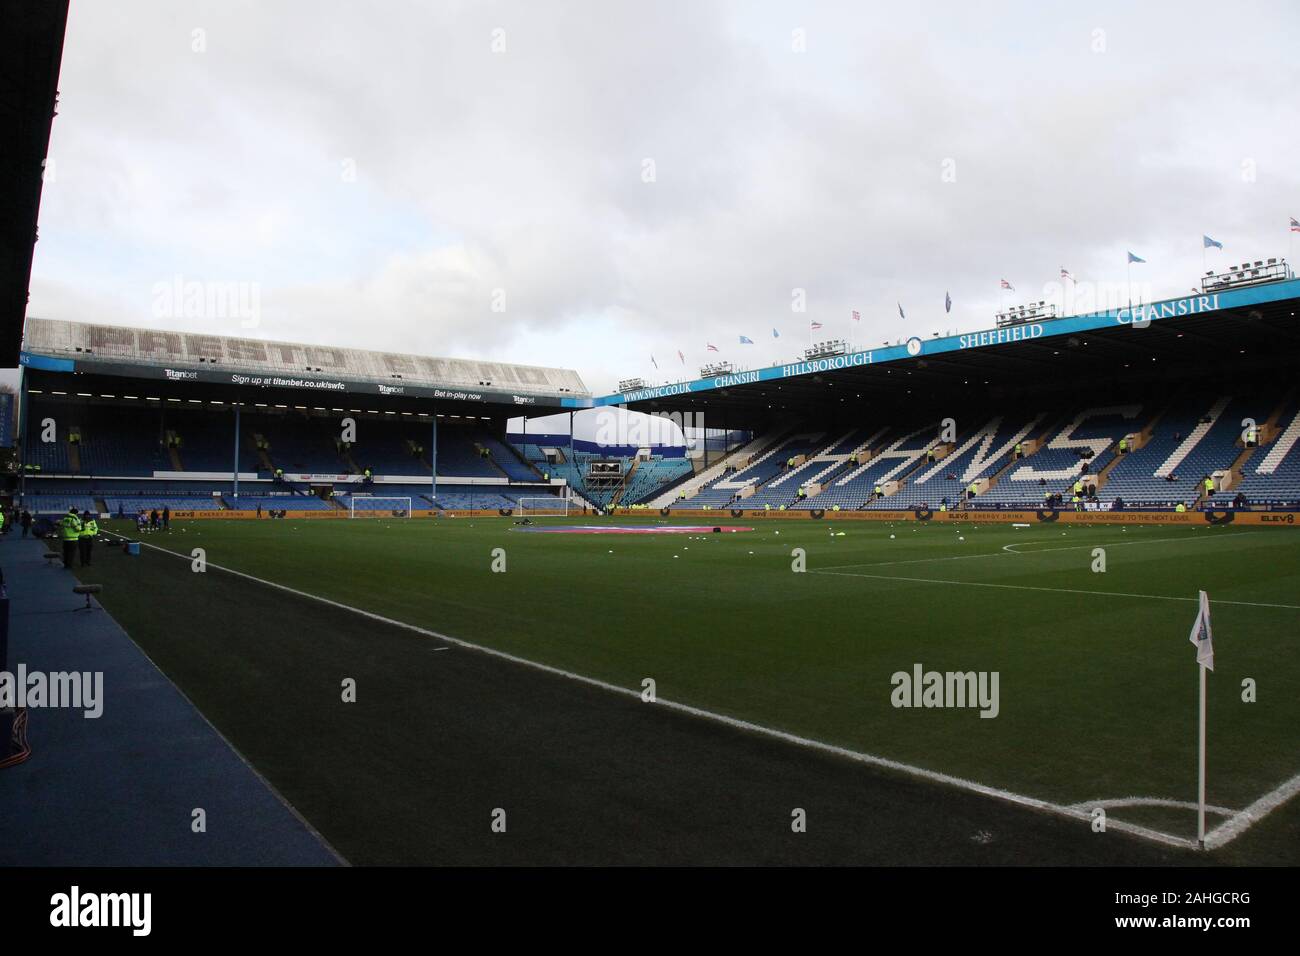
{"points": [[977, 456], [767, 465], [298, 444], [745, 453], [39, 504], [124, 457], [1079, 446], [292, 502], [1187, 443], [653, 477], [1270, 474]]}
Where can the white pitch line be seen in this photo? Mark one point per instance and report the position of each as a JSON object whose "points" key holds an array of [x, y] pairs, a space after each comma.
{"points": [[1225, 833], [1120, 802], [1121, 544], [1029, 587], [887, 564], [1247, 817], [1006, 549]]}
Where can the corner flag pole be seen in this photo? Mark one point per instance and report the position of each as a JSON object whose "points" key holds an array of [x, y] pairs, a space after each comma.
{"points": [[1200, 773], [1202, 636]]}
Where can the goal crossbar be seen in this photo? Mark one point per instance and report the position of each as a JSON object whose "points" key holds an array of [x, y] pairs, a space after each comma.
{"points": [[379, 506]]}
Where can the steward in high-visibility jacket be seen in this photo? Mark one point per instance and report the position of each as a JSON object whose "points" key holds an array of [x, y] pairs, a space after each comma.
{"points": [[69, 534], [1078, 487], [86, 541], [1123, 445], [1020, 450], [1181, 507], [1209, 486]]}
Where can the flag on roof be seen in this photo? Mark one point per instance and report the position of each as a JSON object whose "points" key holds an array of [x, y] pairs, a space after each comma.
{"points": [[901, 315], [681, 356], [814, 325], [1201, 635], [1008, 285], [1065, 274], [1208, 243], [947, 302], [711, 348], [746, 340], [653, 362], [776, 334], [1295, 224], [857, 316], [1133, 258]]}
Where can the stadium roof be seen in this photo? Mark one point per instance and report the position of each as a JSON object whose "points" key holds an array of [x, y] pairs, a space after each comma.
{"points": [[31, 49], [1211, 334], [107, 350]]}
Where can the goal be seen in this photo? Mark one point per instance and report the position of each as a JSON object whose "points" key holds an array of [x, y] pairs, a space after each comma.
{"points": [[546, 505], [379, 506]]}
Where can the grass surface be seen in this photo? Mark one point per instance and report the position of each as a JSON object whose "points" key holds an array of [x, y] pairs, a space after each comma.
{"points": [[1097, 678]]}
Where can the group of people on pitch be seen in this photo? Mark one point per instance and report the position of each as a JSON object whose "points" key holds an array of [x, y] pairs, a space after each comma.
{"points": [[153, 520]]}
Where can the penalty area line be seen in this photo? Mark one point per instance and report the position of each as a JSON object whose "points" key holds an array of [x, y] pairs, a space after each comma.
{"points": [[960, 783], [1030, 587], [1010, 549]]}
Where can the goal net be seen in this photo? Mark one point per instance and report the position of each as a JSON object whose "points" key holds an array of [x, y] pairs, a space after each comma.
{"points": [[546, 505], [379, 506]]}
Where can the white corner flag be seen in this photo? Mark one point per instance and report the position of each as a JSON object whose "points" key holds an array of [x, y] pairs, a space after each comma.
{"points": [[1202, 637], [1201, 634]]}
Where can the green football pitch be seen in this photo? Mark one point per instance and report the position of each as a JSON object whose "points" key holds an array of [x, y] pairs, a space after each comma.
{"points": [[1085, 628]]}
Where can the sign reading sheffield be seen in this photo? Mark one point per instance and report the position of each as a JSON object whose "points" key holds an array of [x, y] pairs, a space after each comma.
{"points": [[1136, 316]]}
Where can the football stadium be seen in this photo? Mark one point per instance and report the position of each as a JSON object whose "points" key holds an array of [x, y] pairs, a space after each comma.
{"points": [[1011, 585], [1037, 504]]}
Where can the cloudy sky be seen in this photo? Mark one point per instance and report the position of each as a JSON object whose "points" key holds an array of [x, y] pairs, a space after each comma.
{"points": [[587, 184]]}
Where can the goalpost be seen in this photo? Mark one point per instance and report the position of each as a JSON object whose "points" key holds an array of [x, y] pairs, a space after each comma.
{"points": [[379, 506], [543, 507]]}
